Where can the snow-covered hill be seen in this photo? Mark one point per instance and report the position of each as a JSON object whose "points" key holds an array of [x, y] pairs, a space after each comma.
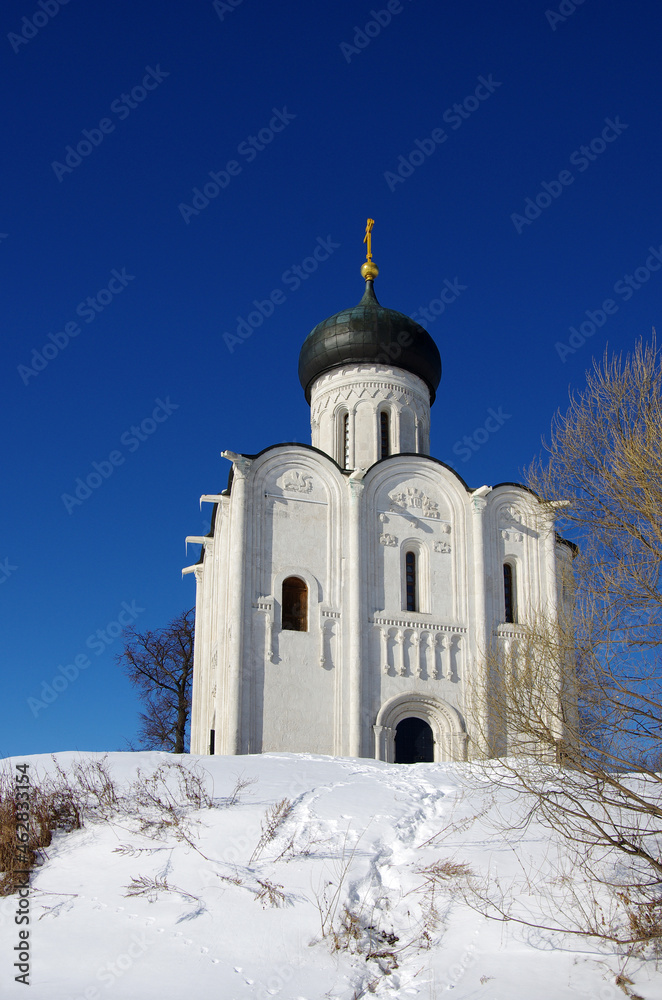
{"points": [[320, 877]]}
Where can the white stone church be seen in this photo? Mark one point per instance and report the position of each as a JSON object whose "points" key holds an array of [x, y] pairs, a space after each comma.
{"points": [[348, 588]]}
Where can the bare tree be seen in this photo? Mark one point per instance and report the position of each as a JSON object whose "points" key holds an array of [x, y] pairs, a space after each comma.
{"points": [[160, 664], [584, 689]]}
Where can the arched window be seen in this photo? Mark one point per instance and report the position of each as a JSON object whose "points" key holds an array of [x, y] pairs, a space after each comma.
{"points": [[509, 593], [384, 435], [411, 582], [344, 442], [295, 605]]}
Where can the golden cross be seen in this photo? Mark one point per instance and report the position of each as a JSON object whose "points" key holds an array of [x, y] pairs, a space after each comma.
{"points": [[368, 239]]}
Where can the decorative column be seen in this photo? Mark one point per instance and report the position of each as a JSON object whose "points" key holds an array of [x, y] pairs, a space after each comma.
{"points": [[236, 623], [202, 680], [416, 653], [400, 665], [322, 636], [327, 626], [480, 696], [550, 614], [354, 616], [383, 642], [383, 743], [456, 667], [444, 645], [268, 609], [431, 656]]}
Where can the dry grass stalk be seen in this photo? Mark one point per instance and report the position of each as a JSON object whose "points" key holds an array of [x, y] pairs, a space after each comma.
{"points": [[241, 784], [270, 893], [275, 816], [151, 887]]}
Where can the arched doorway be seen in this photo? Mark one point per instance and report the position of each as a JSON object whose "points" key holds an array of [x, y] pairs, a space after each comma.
{"points": [[448, 740], [414, 742]]}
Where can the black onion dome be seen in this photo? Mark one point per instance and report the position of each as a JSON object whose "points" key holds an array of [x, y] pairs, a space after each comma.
{"points": [[369, 334]]}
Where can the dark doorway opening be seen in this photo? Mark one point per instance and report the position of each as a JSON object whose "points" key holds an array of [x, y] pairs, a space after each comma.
{"points": [[414, 743]]}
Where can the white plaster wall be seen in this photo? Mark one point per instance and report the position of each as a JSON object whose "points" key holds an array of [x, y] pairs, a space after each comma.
{"points": [[362, 391], [516, 535], [288, 696], [322, 690], [417, 503]]}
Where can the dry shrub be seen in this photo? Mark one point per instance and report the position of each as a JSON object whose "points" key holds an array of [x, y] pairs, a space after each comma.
{"points": [[241, 784], [440, 876], [158, 792], [447, 870], [58, 802], [93, 780], [63, 800], [357, 936], [50, 807], [644, 919], [165, 796]]}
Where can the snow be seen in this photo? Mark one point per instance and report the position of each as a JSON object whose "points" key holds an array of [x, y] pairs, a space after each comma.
{"points": [[357, 835]]}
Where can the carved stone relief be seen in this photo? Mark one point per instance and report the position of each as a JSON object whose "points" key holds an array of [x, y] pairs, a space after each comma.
{"points": [[511, 515], [411, 498], [296, 482], [388, 540]]}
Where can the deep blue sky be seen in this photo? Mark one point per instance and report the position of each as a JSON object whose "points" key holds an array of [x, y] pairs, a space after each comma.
{"points": [[354, 115]]}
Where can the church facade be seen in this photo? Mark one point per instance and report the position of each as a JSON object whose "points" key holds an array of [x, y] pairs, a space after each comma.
{"points": [[348, 589]]}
